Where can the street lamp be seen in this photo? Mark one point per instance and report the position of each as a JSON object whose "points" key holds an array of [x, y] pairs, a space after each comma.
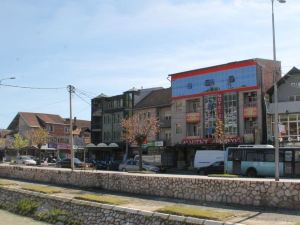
{"points": [[275, 96], [7, 78]]}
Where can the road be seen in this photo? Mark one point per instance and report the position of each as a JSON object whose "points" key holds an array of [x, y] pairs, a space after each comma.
{"points": [[8, 218]]}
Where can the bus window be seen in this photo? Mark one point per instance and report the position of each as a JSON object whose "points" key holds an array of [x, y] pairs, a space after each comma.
{"points": [[238, 155], [288, 156], [269, 156]]}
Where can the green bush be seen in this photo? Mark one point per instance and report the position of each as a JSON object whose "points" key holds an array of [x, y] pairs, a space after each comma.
{"points": [[26, 207], [56, 215]]}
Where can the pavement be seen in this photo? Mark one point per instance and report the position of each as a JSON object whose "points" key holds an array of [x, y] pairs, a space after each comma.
{"points": [[244, 215], [8, 218]]}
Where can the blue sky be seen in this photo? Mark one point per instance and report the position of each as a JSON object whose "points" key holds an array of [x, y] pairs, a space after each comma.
{"points": [[110, 46]]}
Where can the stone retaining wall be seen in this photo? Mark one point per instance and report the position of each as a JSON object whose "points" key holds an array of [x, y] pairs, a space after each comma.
{"points": [[89, 213], [253, 192]]}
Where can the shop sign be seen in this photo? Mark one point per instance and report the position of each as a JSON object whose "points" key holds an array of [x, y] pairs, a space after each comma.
{"points": [[153, 144], [193, 117], [250, 112], [203, 141], [63, 146], [220, 108], [52, 145]]}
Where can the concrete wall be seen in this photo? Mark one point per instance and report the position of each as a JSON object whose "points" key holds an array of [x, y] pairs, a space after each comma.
{"points": [[242, 191], [89, 213]]}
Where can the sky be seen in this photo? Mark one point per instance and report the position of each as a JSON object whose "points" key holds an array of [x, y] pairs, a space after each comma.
{"points": [[110, 46]]}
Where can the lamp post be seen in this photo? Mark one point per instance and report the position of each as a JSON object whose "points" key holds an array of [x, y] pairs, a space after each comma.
{"points": [[275, 96]]}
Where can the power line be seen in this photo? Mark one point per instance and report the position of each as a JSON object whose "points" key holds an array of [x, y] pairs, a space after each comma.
{"points": [[82, 98], [35, 88]]}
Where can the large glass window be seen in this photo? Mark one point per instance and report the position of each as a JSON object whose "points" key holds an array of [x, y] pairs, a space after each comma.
{"points": [[193, 106], [289, 127], [230, 114], [220, 80]]}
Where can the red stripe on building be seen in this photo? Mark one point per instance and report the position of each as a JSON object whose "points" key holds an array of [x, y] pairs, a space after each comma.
{"points": [[216, 92], [212, 69]]}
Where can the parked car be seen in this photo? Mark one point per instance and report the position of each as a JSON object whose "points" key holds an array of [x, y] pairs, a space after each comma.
{"points": [[215, 168], [100, 165], [133, 165], [207, 158], [25, 160], [66, 163]]}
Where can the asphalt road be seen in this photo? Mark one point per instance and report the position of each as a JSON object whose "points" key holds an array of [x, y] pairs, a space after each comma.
{"points": [[8, 218]]}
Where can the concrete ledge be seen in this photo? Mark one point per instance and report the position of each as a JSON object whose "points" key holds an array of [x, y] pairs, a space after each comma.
{"points": [[242, 191], [14, 195]]}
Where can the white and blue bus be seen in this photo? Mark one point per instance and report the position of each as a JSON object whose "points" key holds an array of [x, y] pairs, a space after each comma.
{"points": [[259, 160]]}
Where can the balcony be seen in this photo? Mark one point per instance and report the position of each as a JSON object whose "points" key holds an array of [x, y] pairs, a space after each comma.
{"points": [[163, 123], [193, 117], [97, 113], [250, 110], [285, 107]]}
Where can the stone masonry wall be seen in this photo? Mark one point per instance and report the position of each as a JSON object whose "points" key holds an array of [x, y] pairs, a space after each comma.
{"points": [[243, 191], [89, 213]]}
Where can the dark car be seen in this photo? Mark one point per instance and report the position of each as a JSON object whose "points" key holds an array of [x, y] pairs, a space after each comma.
{"points": [[215, 168], [100, 165], [66, 163]]}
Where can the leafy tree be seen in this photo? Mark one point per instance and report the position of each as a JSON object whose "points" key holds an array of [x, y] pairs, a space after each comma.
{"points": [[137, 129], [20, 142], [219, 133], [39, 137]]}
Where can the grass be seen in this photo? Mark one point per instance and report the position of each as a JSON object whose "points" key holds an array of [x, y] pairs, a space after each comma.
{"points": [[41, 189], [101, 199], [223, 175], [6, 182], [195, 212], [26, 207]]}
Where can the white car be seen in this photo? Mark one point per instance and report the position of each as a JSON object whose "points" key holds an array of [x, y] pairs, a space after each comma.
{"points": [[133, 165], [25, 160]]}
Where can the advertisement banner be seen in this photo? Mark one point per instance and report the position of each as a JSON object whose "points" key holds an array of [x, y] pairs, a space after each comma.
{"points": [[220, 107], [201, 141]]}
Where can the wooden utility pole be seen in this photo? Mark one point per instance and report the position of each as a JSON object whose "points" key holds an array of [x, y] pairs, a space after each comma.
{"points": [[71, 90]]}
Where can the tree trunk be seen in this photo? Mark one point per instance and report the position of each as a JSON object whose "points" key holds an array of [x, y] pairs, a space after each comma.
{"points": [[126, 152], [140, 159]]}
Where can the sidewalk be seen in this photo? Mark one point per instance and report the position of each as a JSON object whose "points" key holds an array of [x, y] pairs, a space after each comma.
{"points": [[244, 215]]}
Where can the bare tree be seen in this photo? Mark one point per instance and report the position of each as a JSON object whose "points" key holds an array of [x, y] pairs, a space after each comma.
{"points": [[39, 137], [20, 142], [137, 129]]}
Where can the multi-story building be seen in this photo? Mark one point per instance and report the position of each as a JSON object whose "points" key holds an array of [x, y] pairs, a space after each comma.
{"points": [[232, 93], [107, 114], [157, 104], [288, 109]]}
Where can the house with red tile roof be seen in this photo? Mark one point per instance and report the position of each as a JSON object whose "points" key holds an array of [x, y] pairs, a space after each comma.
{"points": [[25, 122]]}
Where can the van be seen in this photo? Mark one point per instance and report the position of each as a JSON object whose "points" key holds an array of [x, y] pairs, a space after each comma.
{"points": [[209, 161]]}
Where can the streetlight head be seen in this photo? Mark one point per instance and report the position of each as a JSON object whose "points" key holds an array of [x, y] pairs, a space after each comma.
{"points": [[12, 78], [281, 1]]}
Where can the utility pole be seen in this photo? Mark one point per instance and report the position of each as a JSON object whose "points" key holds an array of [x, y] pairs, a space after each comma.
{"points": [[71, 90], [275, 96]]}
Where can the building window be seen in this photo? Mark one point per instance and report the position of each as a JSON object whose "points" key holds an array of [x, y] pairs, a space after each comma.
{"points": [[67, 129], [209, 82], [293, 98], [230, 114], [50, 128], [178, 128], [178, 106], [193, 129], [193, 106]]}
